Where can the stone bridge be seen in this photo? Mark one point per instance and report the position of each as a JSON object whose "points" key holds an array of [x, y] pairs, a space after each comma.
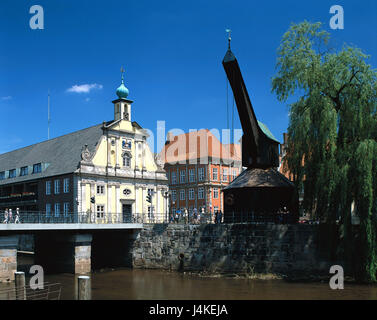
{"points": [[69, 247]]}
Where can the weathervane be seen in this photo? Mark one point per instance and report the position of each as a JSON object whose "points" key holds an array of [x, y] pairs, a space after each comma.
{"points": [[122, 72], [229, 37]]}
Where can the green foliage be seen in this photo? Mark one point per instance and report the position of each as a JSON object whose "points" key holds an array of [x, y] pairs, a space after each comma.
{"points": [[332, 135]]}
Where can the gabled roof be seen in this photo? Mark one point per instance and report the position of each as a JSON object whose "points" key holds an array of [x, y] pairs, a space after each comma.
{"points": [[61, 155], [258, 178]]}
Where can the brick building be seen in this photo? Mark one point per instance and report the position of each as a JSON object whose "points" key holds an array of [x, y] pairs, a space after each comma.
{"points": [[198, 167]]}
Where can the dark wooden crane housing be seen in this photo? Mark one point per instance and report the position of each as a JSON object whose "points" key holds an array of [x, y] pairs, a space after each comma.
{"points": [[260, 192]]}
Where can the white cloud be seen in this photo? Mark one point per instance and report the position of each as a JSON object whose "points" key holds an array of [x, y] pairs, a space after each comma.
{"points": [[6, 98], [84, 88]]}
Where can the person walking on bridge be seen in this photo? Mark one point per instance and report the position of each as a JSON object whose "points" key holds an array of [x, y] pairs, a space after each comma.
{"points": [[17, 216], [10, 215], [6, 216]]}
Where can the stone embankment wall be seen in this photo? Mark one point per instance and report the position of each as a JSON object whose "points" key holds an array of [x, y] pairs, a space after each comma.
{"points": [[238, 248]]}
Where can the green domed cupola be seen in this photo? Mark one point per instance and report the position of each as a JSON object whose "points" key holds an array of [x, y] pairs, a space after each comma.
{"points": [[122, 92], [122, 105]]}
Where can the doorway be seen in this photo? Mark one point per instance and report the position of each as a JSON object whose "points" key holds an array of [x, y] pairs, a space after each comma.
{"points": [[127, 213]]}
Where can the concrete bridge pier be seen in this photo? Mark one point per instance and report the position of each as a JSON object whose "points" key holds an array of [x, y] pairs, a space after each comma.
{"points": [[113, 249], [8, 257], [61, 252]]}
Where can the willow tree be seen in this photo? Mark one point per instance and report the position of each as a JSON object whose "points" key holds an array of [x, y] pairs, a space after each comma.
{"points": [[332, 136]]}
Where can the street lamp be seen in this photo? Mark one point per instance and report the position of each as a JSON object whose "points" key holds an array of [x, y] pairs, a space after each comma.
{"points": [[166, 195]]}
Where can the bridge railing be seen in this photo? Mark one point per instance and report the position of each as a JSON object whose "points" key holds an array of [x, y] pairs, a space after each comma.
{"points": [[146, 218], [68, 217]]}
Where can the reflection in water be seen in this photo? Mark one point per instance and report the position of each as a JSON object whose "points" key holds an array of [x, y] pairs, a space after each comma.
{"points": [[128, 284]]}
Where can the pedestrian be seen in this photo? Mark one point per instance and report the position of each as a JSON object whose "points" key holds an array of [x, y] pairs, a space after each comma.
{"points": [[6, 216], [186, 215], [17, 216], [220, 216], [177, 215], [198, 218], [216, 216], [194, 215], [10, 215]]}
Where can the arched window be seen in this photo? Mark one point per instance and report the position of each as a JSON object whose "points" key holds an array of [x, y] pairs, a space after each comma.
{"points": [[126, 159]]}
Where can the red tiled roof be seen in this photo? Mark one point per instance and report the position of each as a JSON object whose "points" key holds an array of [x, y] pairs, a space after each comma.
{"points": [[202, 144]]}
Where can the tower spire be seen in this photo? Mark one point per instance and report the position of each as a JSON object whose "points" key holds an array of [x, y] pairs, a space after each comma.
{"points": [[122, 72], [228, 31]]}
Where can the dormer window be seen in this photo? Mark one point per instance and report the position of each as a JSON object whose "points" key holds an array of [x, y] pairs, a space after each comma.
{"points": [[24, 171], [2, 175], [12, 173], [37, 168]]}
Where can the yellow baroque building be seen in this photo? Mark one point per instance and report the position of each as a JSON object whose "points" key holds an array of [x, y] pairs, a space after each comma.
{"points": [[105, 173]]}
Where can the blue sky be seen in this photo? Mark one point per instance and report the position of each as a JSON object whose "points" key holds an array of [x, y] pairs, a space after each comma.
{"points": [[171, 51]]}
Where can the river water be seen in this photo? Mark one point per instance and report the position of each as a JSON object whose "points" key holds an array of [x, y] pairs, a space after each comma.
{"points": [[131, 284]]}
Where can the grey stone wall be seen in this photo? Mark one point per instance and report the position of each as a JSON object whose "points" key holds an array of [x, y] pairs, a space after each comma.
{"points": [[237, 248]]}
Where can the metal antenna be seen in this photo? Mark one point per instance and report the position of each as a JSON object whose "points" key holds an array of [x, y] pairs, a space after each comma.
{"points": [[48, 115]]}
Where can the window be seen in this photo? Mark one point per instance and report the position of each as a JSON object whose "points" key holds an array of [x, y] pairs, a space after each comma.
{"points": [[182, 177], [57, 186], [100, 189], [48, 209], [215, 193], [201, 193], [173, 195], [201, 174], [150, 213], [66, 185], [214, 174], [117, 111], [126, 160], [48, 187], [12, 173], [173, 177], [24, 171], [182, 194], [234, 172], [66, 208], [225, 174], [191, 194], [57, 209], [37, 168], [2, 175], [192, 175], [100, 211]]}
